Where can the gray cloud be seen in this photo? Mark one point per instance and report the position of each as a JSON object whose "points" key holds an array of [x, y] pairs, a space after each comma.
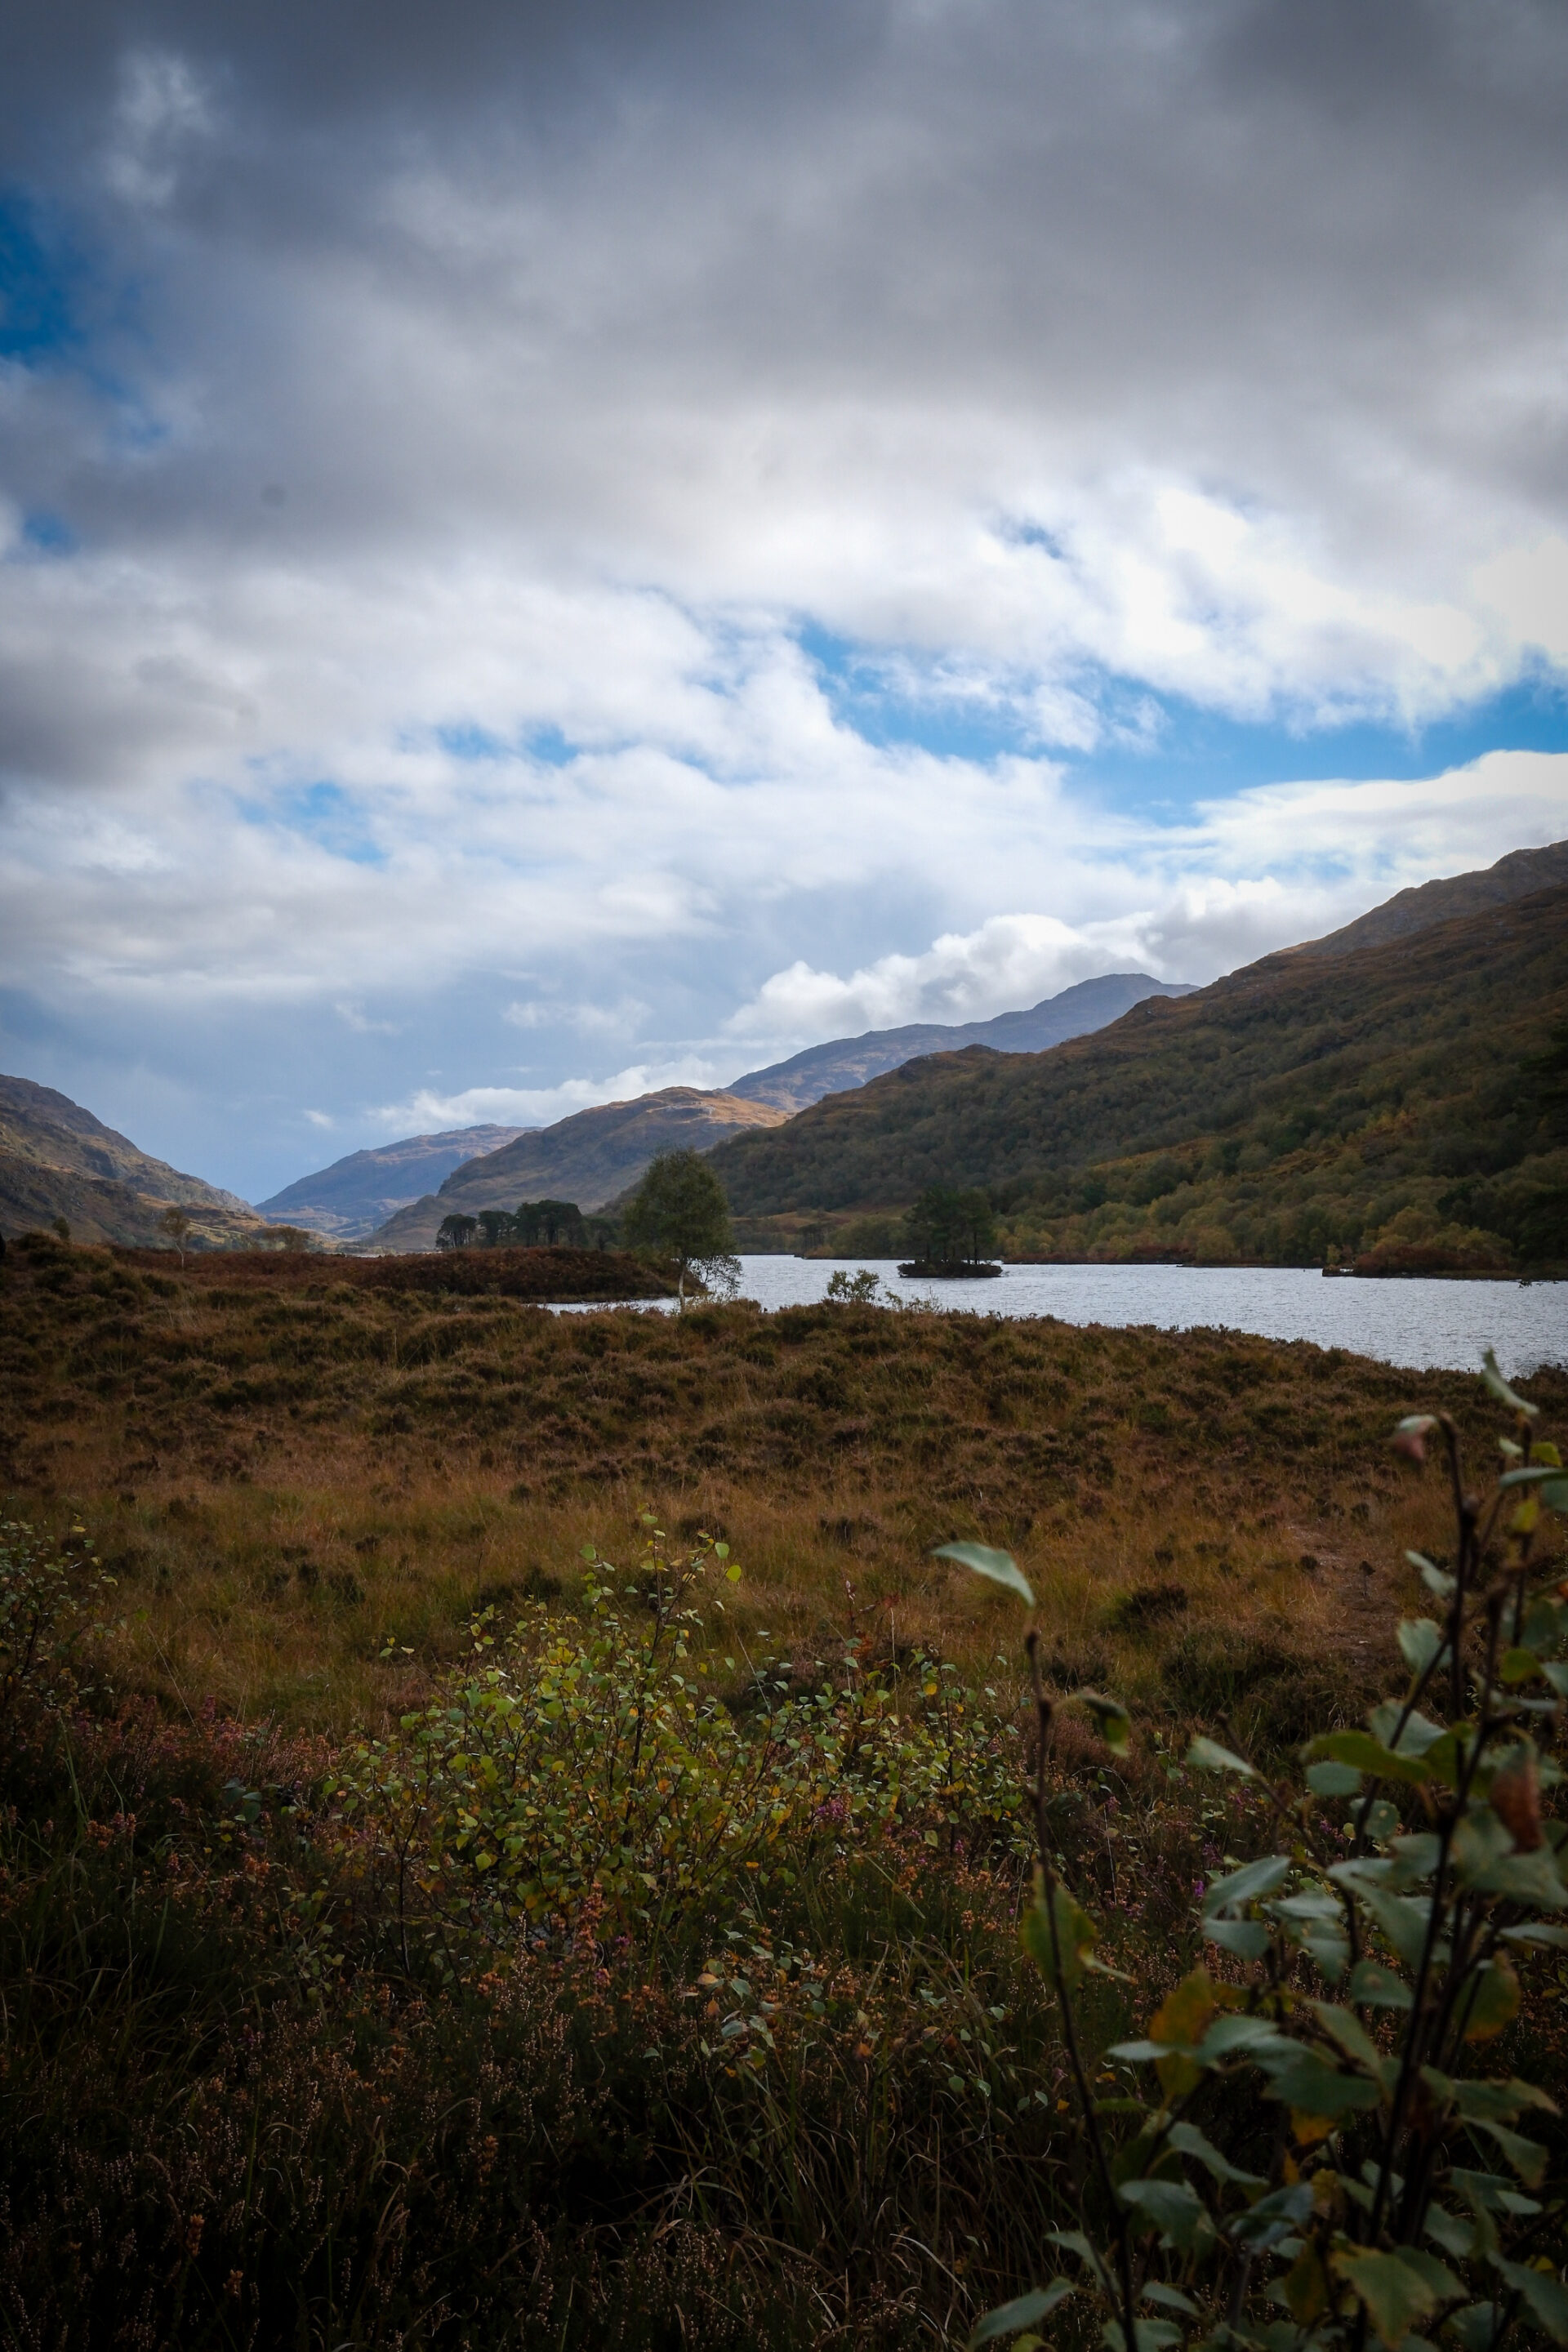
{"points": [[463, 414]]}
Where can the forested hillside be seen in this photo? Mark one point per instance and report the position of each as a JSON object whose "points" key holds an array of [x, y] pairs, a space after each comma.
{"points": [[1408, 1098]]}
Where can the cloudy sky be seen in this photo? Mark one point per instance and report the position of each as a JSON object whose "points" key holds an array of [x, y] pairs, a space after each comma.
{"points": [[549, 551]]}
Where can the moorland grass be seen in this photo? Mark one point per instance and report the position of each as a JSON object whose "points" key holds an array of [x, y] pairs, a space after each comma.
{"points": [[238, 2107], [284, 1478]]}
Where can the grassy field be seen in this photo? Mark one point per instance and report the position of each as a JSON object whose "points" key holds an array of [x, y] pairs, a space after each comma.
{"points": [[282, 1476], [829, 2106]]}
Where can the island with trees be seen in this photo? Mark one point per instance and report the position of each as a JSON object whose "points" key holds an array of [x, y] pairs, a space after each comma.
{"points": [[951, 1231]]}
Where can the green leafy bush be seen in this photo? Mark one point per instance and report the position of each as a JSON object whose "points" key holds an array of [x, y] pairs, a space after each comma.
{"points": [[1357, 1969], [52, 1598], [623, 1765]]}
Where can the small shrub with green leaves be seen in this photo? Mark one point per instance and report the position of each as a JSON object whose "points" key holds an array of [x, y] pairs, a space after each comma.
{"points": [[1361, 1970], [857, 1289], [52, 1598], [616, 1766]]}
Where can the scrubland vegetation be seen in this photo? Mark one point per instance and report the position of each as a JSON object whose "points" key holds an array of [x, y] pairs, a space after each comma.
{"points": [[444, 1903]]}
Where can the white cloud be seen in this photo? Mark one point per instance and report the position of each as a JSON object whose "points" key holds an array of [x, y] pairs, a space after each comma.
{"points": [[550, 1014], [1265, 870], [353, 1016], [435, 491], [1010, 960], [162, 112], [427, 1111], [1376, 837], [1528, 587]]}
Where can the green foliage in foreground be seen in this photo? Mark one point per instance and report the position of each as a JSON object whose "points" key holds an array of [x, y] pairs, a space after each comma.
{"points": [[616, 1764], [1360, 1966], [614, 2001], [1408, 1098]]}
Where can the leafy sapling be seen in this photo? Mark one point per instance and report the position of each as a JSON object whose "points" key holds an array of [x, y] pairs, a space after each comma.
{"points": [[1358, 1972]]}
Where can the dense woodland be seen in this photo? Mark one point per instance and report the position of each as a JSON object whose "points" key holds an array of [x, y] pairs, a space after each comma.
{"points": [[1407, 1102]]}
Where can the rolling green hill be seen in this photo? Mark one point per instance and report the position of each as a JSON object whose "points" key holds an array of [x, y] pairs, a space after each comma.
{"points": [[1404, 1098]]}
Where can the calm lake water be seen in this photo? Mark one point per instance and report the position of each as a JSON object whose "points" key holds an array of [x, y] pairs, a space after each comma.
{"points": [[1412, 1322]]}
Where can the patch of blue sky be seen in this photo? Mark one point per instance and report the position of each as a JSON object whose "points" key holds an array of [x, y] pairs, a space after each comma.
{"points": [[892, 697], [550, 747], [322, 813], [39, 276], [1194, 755], [471, 742], [25, 1023], [1157, 753], [546, 746], [58, 306], [44, 533], [1033, 534]]}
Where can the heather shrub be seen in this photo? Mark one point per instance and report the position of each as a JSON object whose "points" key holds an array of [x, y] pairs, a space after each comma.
{"points": [[645, 1986]]}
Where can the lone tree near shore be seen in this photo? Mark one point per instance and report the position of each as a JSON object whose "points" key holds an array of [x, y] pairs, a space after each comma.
{"points": [[679, 1209], [177, 1225]]}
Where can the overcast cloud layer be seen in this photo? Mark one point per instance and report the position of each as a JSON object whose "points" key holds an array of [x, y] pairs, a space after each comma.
{"points": [[544, 552]]}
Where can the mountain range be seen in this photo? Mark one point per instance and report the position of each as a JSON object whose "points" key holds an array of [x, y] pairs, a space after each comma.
{"points": [[588, 1158], [1404, 1094], [828, 1070], [1382, 1073], [395, 1195], [58, 1160], [359, 1193]]}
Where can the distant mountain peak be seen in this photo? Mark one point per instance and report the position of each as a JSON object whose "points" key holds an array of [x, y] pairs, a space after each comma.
{"points": [[590, 1158], [360, 1190], [845, 1062]]}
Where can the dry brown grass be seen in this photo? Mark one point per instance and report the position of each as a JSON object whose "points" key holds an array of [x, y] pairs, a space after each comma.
{"points": [[285, 1479]]}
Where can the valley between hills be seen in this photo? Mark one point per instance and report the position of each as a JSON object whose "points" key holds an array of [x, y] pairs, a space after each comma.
{"points": [[509, 1829], [1394, 1097]]}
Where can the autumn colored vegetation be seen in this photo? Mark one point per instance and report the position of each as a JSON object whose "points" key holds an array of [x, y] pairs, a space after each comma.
{"points": [[442, 1904], [1407, 1102]]}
